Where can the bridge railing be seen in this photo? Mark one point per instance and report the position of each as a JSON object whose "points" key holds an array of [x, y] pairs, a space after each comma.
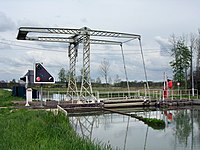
{"points": [[157, 94], [118, 95], [160, 94], [64, 96]]}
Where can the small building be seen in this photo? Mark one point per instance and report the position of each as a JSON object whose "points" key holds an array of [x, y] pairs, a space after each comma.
{"points": [[30, 75]]}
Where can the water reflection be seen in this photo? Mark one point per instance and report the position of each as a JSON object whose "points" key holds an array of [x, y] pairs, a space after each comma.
{"points": [[123, 132]]}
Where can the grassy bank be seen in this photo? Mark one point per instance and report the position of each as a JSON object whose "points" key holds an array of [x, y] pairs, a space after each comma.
{"points": [[6, 98], [37, 129], [40, 130]]}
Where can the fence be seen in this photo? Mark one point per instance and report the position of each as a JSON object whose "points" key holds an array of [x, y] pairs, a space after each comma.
{"points": [[157, 94], [173, 94], [118, 95]]}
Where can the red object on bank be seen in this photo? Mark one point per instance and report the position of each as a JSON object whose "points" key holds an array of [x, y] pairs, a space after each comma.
{"points": [[170, 84], [165, 93]]}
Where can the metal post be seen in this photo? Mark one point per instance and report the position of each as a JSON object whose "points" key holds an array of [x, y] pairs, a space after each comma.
{"points": [[144, 66], [189, 94], [59, 97], [128, 88], [160, 94], [178, 84], [48, 96], [26, 86], [153, 93], [138, 93], [164, 86], [192, 74], [41, 96], [97, 96], [180, 94], [145, 92], [45, 100]]}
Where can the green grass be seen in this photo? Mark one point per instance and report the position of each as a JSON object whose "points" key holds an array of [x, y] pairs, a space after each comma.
{"points": [[155, 123], [40, 130], [6, 98]]}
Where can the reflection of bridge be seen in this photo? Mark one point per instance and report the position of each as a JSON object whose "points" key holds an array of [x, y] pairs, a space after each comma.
{"points": [[181, 126], [85, 123]]}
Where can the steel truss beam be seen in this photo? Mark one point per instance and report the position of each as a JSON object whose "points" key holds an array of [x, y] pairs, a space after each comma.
{"points": [[23, 31], [74, 37], [72, 54], [71, 40]]}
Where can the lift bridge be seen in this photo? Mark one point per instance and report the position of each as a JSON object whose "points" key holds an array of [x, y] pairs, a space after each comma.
{"points": [[74, 37]]}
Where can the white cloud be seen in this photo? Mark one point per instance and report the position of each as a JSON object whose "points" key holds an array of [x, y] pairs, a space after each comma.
{"points": [[153, 20], [165, 46], [27, 22], [3, 44], [6, 23]]}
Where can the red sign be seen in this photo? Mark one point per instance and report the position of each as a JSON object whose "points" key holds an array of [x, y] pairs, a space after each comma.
{"points": [[170, 84]]}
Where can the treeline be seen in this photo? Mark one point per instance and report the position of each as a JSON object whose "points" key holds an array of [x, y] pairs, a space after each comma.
{"points": [[10, 84], [122, 84]]}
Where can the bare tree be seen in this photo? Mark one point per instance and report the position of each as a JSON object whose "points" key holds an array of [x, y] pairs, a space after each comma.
{"points": [[198, 51], [117, 79], [104, 69], [98, 80], [197, 73]]}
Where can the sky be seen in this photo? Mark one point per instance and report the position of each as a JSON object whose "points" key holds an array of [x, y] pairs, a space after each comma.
{"points": [[154, 20]]}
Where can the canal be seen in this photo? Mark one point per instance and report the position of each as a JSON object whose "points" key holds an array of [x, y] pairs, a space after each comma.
{"points": [[127, 133]]}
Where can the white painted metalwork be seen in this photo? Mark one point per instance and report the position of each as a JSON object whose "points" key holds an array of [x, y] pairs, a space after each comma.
{"points": [[74, 37]]}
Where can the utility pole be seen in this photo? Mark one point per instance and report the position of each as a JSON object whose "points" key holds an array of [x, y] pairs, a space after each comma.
{"points": [[164, 86], [192, 74]]}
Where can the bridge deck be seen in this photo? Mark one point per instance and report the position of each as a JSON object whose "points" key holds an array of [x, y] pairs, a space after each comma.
{"points": [[107, 104]]}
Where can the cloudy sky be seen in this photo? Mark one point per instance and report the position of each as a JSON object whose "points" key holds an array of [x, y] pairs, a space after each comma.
{"points": [[154, 20]]}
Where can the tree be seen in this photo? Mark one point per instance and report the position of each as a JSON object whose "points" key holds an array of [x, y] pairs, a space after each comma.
{"points": [[104, 69], [117, 79], [181, 61], [183, 125], [98, 80], [197, 73], [110, 80], [12, 83], [62, 75], [198, 51]]}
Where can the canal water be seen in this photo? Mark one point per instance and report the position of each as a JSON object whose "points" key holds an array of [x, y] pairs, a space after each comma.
{"points": [[182, 130]]}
